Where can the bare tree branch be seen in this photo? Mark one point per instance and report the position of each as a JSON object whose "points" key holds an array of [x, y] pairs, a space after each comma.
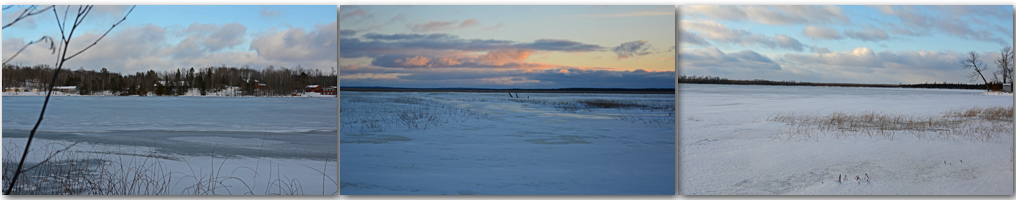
{"points": [[1004, 63], [973, 61], [27, 13], [52, 46], [104, 34]]}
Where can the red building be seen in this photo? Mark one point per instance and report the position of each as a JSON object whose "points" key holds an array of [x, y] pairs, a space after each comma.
{"points": [[313, 88], [331, 90]]}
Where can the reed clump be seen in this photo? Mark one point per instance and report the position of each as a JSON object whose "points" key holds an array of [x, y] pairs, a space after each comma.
{"points": [[140, 170], [975, 123]]}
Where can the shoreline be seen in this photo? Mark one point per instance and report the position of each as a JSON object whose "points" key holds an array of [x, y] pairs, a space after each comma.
{"points": [[55, 94]]}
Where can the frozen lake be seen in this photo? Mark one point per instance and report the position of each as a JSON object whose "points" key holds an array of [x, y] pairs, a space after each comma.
{"points": [[290, 137], [460, 143], [728, 145]]}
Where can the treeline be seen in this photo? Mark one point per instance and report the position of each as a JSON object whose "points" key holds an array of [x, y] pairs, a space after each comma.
{"points": [[995, 86], [237, 81]]}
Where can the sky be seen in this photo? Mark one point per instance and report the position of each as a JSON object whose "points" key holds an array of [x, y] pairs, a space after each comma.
{"points": [[508, 46], [843, 44], [169, 37]]}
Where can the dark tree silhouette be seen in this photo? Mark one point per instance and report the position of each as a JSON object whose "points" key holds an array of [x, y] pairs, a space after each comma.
{"points": [[973, 61]]}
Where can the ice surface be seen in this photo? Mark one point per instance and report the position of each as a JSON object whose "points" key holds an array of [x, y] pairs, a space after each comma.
{"points": [[101, 113], [488, 144], [251, 143], [727, 147]]}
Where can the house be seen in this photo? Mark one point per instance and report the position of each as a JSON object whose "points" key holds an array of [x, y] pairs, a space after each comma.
{"points": [[1007, 87], [260, 88], [66, 89], [178, 83], [260, 85], [18, 89], [330, 91], [312, 88]]}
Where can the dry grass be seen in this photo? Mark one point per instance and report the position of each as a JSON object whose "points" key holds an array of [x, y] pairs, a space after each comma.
{"points": [[990, 113], [67, 173], [368, 112], [140, 171], [976, 124], [363, 114]]}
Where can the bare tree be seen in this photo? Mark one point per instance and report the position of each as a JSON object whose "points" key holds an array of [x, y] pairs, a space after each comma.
{"points": [[1005, 63], [973, 61], [66, 35]]}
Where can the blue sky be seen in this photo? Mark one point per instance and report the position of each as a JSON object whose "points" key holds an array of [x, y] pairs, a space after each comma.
{"points": [[165, 37], [508, 46], [855, 44]]}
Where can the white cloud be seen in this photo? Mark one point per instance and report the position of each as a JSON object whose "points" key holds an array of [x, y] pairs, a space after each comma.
{"points": [[864, 65], [774, 15], [868, 34], [966, 22], [436, 26], [720, 33], [821, 33], [298, 45], [141, 48], [716, 61], [691, 38], [265, 12], [858, 65]]}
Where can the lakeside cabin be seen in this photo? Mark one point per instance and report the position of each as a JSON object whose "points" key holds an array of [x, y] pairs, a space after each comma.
{"points": [[313, 88], [331, 90], [18, 89], [66, 89]]}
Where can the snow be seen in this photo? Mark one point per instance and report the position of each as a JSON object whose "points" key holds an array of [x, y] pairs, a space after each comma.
{"points": [[432, 143], [727, 146], [258, 140], [262, 174], [40, 93], [998, 93]]}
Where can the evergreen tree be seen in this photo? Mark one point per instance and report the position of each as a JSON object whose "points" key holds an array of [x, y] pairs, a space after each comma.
{"points": [[160, 90]]}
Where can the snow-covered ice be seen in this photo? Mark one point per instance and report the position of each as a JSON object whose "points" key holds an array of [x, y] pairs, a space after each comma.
{"points": [[727, 146], [461, 143], [258, 145]]}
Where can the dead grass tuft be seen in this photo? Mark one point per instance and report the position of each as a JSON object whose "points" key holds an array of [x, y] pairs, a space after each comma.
{"points": [[976, 124]]}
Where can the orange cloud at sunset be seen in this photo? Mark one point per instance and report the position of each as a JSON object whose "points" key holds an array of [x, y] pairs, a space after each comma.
{"points": [[414, 61], [500, 57]]}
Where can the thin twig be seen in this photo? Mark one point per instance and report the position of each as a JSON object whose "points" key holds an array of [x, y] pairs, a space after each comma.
{"points": [[27, 13], [50, 156], [104, 34], [52, 47]]}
